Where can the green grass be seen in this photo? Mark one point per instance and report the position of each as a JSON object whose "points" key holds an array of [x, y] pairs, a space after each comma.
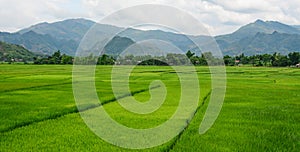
{"points": [[33, 93], [261, 111]]}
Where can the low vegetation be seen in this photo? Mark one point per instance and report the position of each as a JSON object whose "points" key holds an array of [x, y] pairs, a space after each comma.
{"points": [[261, 111], [267, 60]]}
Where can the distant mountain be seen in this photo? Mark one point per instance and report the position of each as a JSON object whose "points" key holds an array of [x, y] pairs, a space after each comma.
{"points": [[258, 26], [46, 38], [117, 45], [38, 43], [253, 38], [263, 43], [72, 29], [260, 37], [9, 52], [179, 40], [66, 35]]}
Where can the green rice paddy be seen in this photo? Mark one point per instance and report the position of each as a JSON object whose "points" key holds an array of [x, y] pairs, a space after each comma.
{"points": [[261, 111]]}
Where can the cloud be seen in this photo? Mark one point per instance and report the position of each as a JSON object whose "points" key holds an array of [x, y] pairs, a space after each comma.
{"points": [[12, 17], [243, 6], [16, 14], [218, 16]]}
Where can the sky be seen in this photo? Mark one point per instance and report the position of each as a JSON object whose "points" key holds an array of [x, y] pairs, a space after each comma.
{"points": [[218, 16]]}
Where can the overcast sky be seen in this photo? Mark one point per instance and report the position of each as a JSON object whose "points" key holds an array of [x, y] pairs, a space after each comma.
{"points": [[219, 16]]}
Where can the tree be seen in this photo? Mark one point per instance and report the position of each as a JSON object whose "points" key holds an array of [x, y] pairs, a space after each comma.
{"points": [[280, 60], [171, 59], [106, 60], [267, 59], [189, 54], [65, 59], [202, 60], [228, 60], [56, 57], [195, 60], [294, 57]]}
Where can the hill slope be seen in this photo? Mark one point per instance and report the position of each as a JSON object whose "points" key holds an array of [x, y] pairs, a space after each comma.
{"points": [[117, 45], [263, 43], [9, 52]]}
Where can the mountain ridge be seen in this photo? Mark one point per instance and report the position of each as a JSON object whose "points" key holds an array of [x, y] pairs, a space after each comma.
{"points": [[259, 26], [66, 35]]}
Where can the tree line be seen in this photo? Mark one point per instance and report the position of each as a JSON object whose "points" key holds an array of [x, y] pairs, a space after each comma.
{"points": [[276, 59], [55, 58]]}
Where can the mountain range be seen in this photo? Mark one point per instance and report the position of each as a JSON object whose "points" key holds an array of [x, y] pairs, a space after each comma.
{"points": [[258, 37], [261, 37]]}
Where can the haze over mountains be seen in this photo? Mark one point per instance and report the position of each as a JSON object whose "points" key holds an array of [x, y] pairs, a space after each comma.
{"points": [[258, 37]]}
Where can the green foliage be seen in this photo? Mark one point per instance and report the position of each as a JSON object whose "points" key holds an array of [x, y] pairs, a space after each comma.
{"points": [[276, 60], [280, 60], [189, 54], [14, 53], [56, 58], [170, 59], [294, 57], [106, 60], [65, 59], [228, 60], [176, 59], [206, 58]]}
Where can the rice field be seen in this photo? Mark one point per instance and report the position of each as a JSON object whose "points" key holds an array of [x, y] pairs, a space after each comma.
{"points": [[261, 110]]}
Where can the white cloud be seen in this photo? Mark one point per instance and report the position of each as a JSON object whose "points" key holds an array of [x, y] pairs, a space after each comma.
{"points": [[245, 6], [219, 16]]}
